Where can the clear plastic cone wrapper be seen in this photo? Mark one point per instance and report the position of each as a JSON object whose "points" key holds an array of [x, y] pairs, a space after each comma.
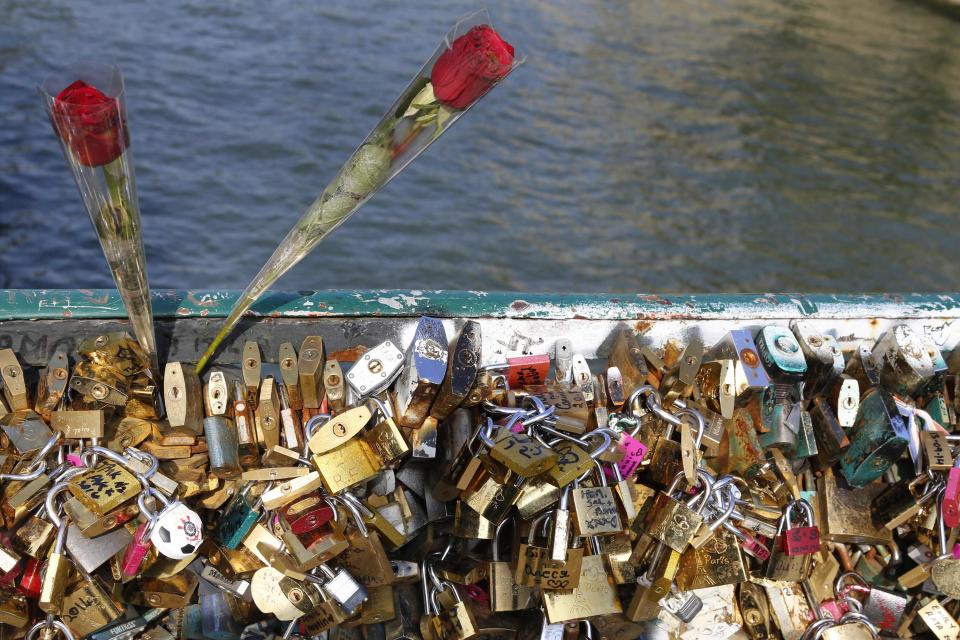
{"points": [[470, 60], [85, 104]]}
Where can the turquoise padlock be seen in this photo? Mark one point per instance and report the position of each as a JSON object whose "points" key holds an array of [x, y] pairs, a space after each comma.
{"points": [[237, 521], [878, 438]]}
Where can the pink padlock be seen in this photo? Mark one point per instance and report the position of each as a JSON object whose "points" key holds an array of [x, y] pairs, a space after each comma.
{"points": [[75, 460], [634, 452], [956, 551], [836, 608], [951, 497], [754, 547], [136, 551]]}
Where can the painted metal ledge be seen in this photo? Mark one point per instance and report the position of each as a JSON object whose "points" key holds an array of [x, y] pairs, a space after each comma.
{"points": [[43, 304]]}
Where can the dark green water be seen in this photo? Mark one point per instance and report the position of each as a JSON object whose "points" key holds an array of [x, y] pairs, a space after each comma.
{"points": [[671, 145]]}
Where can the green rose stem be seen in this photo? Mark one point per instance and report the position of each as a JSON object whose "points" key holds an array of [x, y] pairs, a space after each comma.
{"points": [[118, 226], [470, 60]]}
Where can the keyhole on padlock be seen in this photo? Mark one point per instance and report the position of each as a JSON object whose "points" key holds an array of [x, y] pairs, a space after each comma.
{"points": [[310, 354], [339, 429], [249, 363], [295, 596], [334, 380], [848, 402], [175, 392], [12, 372], [98, 391], [375, 366], [749, 357], [59, 373], [727, 389], [287, 363]]}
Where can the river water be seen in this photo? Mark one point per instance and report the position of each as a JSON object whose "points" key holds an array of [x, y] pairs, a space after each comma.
{"points": [[648, 146]]}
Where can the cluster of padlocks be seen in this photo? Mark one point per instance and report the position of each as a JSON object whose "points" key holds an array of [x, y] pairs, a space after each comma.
{"points": [[769, 485]]}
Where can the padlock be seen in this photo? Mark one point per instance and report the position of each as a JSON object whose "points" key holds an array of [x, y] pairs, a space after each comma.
{"points": [[678, 382], [522, 454], [594, 595], [347, 465], [672, 522], [243, 418], [781, 566], [310, 371], [14, 386], [803, 540], [909, 363], [182, 398], [780, 354], [822, 354], [287, 599], [105, 487], [901, 501], [55, 574], [334, 386], [222, 447], [938, 620], [239, 517], [384, 437], [268, 413], [463, 363], [178, 532], [596, 508], [951, 496], [626, 356], [376, 369], [884, 608], [684, 606], [343, 588], [424, 369], [328, 434], [775, 406], [830, 437], [749, 375], [52, 383], [25, 430], [878, 438], [291, 433]]}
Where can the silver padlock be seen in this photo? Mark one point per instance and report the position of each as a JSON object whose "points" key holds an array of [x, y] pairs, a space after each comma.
{"points": [[684, 606], [423, 372], [375, 370], [344, 588]]}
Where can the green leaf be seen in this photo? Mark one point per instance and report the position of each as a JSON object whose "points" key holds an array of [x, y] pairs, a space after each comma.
{"points": [[423, 99], [443, 114]]}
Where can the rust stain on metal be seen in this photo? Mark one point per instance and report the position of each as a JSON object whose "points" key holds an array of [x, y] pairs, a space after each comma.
{"points": [[351, 354], [642, 326], [183, 311], [67, 313], [200, 302]]}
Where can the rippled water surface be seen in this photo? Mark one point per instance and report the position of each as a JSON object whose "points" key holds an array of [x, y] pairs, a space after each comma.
{"points": [[656, 145]]}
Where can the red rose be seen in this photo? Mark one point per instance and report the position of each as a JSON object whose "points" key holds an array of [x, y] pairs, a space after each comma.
{"points": [[474, 62], [90, 124]]}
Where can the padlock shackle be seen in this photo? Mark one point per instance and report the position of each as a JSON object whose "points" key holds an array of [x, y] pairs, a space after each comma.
{"points": [[53, 509], [803, 506], [39, 463], [50, 622]]}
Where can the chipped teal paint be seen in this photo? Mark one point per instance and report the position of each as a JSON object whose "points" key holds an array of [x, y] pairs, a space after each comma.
{"points": [[18, 304]]}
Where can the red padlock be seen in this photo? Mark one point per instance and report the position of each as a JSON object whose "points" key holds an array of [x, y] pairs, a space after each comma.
{"points": [[801, 541], [31, 582], [525, 371], [307, 517]]}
